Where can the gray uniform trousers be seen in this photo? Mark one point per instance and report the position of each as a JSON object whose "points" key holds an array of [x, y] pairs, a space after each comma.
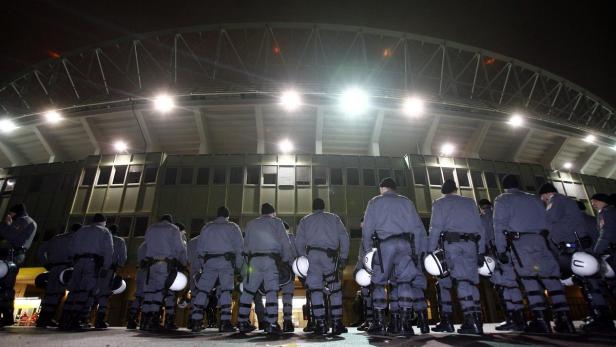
{"points": [[82, 286], [398, 265], [214, 269], [154, 289], [444, 294], [418, 288], [321, 272], [287, 299], [367, 298], [593, 289], [259, 308], [538, 270], [140, 284], [170, 300], [394, 306], [462, 260], [104, 290], [504, 278], [54, 290], [262, 270]]}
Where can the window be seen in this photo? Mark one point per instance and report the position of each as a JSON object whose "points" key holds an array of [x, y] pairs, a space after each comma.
{"points": [[477, 179], [335, 177], [539, 181], [119, 175], [352, 177], [195, 226], [419, 175], [447, 173], [302, 175], [186, 177], [150, 174], [500, 177], [171, 175], [384, 173], [203, 175], [36, 182], [320, 175], [270, 174], [286, 176], [104, 174], [434, 173], [10, 185], [88, 176], [141, 225], [463, 177], [490, 180], [134, 174], [236, 176], [400, 178], [124, 226], [220, 175], [369, 179], [252, 174]]}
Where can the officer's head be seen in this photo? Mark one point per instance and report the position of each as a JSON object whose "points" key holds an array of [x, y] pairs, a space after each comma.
{"points": [[387, 184], [167, 217], [268, 210], [75, 227], [510, 182], [99, 219], [484, 206], [180, 226], [449, 187], [222, 212], [318, 204], [599, 201], [581, 205], [546, 191], [113, 228], [17, 210]]}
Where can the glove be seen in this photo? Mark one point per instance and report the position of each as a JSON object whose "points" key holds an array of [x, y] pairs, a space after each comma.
{"points": [[480, 260], [503, 258]]}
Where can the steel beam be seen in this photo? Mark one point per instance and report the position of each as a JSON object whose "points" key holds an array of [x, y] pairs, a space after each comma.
{"points": [[473, 146], [201, 122], [552, 153], [13, 154], [426, 147], [93, 135], [260, 130], [151, 143], [608, 169], [376, 134], [55, 153], [318, 146], [518, 148], [585, 158]]}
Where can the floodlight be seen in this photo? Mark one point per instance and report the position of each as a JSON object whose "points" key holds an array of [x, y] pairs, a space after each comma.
{"points": [[285, 146], [290, 100], [354, 101], [163, 103], [413, 106]]}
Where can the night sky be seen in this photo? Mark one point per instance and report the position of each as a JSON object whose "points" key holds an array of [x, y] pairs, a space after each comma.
{"points": [[576, 40]]}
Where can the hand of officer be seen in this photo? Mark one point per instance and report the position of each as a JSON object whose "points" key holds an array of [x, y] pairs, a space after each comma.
{"points": [[480, 260], [503, 258]]}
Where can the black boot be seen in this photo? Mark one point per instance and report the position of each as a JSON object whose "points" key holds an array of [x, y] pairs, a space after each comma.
{"points": [[393, 328], [309, 326], [170, 322], [473, 324], [508, 322], [320, 328], [262, 325], [445, 325], [364, 326], [131, 320], [377, 326], [538, 324], [153, 322], [7, 317], [143, 320], [196, 325], [64, 320], [245, 327], [287, 326], [406, 328], [563, 323], [100, 321], [422, 321], [338, 327], [44, 319], [600, 321], [273, 329], [226, 327]]}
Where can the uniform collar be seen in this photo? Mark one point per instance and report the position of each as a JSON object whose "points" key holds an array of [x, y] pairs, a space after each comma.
{"points": [[220, 219], [512, 190], [390, 192]]}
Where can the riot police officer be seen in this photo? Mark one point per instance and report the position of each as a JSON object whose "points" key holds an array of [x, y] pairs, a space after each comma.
{"points": [[322, 238], [267, 246], [55, 256], [288, 288], [104, 283], [165, 256], [391, 223], [92, 246], [135, 305], [456, 227], [519, 229], [220, 250]]}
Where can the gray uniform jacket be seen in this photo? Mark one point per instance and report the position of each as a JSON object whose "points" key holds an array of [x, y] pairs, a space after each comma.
{"points": [[488, 229], [294, 252], [517, 211], [267, 235], [164, 241], [607, 230], [221, 236], [564, 219], [20, 233], [119, 251], [392, 214], [93, 239], [55, 250], [324, 230], [141, 252], [455, 213]]}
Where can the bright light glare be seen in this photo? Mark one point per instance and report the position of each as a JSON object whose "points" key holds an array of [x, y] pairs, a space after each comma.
{"points": [[53, 117], [516, 120], [290, 100], [163, 103], [286, 146], [590, 138], [413, 106], [447, 149], [567, 165], [613, 148], [354, 101], [7, 125], [120, 146]]}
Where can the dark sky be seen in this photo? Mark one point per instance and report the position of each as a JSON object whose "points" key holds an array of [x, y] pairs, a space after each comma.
{"points": [[576, 40]]}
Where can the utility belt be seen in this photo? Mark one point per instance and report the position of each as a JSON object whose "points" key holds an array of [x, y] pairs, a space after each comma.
{"points": [[172, 267], [331, 253], [511, 236], [453, 237], [228, 256], [275, 256], [567, 247], [97, 259], [376, 243]]}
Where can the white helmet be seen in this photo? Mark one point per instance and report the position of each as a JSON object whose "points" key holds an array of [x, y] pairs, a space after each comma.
{"points": [[435, 264], [4, 268], [179, 283], [362, 277], [65, 276], [606, 270], [120, 289], [584, 264], [241, 287], [487, 269], [300, 266], [368, 260]]}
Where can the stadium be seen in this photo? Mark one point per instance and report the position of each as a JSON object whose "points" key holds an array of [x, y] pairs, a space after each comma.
{"points": [[182, 121]]}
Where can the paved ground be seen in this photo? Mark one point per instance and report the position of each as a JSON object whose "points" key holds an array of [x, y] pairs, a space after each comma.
{"points": [[26, 336]]}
